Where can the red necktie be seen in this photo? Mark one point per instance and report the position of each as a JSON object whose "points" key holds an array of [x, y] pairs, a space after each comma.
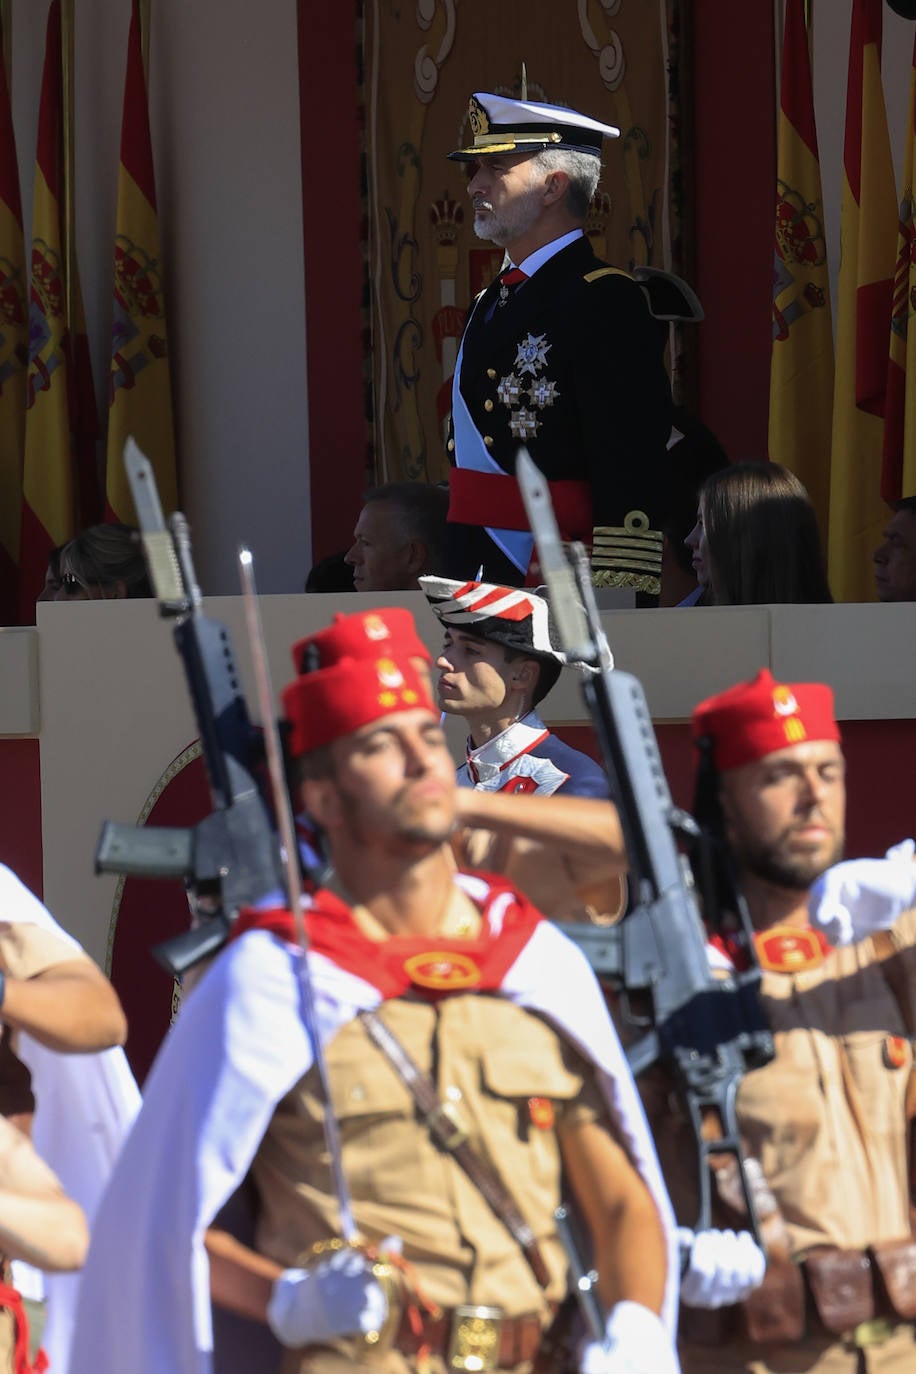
{"points": [[508, 281]]}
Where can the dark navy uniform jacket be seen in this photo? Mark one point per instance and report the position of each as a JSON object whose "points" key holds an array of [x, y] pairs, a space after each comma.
{"points": [[572, 366]]}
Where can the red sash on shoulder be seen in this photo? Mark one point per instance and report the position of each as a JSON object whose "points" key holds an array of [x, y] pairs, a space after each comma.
{"points": [[433, 965]]}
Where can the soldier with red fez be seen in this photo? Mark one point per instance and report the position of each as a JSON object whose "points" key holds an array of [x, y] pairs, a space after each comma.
{"points": [[505, 1026], [827, 1119], [562, 353]]}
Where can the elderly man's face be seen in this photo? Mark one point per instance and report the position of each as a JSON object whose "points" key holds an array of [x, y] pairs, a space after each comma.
{"points": [[506, 196], [895, 559], [382, 556], [785, 813]]}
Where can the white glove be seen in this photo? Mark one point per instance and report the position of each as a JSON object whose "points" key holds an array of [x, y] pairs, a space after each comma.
{"points": [[336, 1297], [635, 1342], [724, 1266], [854, 898]]}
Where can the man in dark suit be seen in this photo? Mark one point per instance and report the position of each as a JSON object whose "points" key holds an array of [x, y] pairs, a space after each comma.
{"points": [[562, 353]]}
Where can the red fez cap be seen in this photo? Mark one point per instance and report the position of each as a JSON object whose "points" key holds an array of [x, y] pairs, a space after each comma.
{"points": [[367, 634], [364, 672], [756, 718]]}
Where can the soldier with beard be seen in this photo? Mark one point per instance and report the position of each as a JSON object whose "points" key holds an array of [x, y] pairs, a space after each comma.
{"points": [[827, 1118]]}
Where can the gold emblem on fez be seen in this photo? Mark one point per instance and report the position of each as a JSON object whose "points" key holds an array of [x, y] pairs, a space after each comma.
{"points": [[389, 674], [375, 627], [542, 393], [509, 390], [784, 703], [524, 424], [532, 353]]}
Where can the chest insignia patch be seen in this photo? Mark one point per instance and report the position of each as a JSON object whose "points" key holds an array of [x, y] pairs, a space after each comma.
{"points": [[894, 1052], [540, 1109], [442, 970], [790, 949]]}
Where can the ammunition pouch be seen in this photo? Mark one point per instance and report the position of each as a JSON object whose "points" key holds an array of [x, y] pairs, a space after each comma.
{"points": [[848, 1293]]}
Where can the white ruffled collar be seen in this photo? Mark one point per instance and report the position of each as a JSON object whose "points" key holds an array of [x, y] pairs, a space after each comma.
{"points": [[491, 758]]}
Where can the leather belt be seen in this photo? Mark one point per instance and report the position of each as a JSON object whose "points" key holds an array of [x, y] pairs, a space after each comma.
{"points": [[517, 1341], [854, 1295]]}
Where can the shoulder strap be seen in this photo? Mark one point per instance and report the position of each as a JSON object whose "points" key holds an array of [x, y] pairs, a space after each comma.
{"points": [[445, 1127], [895, 976]]}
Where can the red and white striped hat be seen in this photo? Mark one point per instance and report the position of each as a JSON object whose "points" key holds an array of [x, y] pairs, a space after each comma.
{"points": [[515, 617]]}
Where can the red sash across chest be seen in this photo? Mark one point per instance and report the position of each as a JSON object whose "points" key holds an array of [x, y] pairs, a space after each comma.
{"points": [[434, 966]]}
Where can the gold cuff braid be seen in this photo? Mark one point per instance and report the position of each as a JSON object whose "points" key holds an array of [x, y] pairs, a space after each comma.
{"points": [[628, 555], [639, 582]]}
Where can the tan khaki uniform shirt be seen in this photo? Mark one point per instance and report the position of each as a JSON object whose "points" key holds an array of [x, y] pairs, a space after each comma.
{"points": [[826, 1117], [487, 1057], [25, 950]]}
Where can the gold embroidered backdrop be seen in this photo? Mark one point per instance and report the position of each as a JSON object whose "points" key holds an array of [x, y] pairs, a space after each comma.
{"points": [[421, 61]]}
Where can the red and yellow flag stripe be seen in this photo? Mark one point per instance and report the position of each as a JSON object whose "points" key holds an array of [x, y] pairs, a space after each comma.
{"points": [[898, 478], [868, 224], [48, 509], [801, 366], [140, 390], [14, 353]]}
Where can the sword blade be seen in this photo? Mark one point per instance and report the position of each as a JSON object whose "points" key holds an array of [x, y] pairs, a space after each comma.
{"points": [[286, 824]]}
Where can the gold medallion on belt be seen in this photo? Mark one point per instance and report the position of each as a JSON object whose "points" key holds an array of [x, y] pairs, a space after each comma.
{"points": [[474, 1343]]}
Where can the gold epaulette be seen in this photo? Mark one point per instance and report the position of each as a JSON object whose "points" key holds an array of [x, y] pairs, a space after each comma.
{"points": [[607, 272], [628, 555]]}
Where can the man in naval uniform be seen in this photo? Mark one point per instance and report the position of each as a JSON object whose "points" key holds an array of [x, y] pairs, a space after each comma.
{"points": [[561, 353], [492, 1004]]}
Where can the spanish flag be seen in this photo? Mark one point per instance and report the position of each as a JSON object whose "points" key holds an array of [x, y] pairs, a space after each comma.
{"points": [[898, 477], [801, 363], [868, 226], [140, 393], [60, 483], [14, 355]]}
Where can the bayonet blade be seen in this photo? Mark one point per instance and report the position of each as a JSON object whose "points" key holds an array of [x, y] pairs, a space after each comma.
{"points": [[158, 544], [555, 568]]}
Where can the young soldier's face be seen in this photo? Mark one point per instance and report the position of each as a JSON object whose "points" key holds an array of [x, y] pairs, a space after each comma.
{"points": [[785, 813], [474, 675], [393, 783]]}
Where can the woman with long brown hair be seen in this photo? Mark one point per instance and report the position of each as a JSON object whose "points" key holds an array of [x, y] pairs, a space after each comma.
{"points": [[756, 540]]}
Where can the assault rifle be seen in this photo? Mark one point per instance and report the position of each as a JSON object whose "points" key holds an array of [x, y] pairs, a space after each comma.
{"points": [[232, 857], [707, 1031]]}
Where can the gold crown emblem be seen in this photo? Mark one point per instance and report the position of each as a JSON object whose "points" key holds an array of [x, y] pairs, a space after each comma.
{"points": [[446, 216], [478, 117]]}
